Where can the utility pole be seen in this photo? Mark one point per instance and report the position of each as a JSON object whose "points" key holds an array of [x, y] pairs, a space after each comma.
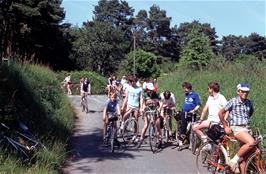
{"points": [[134, 62]]}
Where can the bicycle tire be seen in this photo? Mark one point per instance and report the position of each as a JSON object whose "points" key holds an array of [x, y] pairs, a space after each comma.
{"points": [[129, 130], [177, 133], [112, 139], [251, 166], [153, 138], [206, 161], [195, 142]]}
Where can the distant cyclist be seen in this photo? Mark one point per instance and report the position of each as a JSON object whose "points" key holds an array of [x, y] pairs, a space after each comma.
{"points": [[167, 102], [110, 109]]}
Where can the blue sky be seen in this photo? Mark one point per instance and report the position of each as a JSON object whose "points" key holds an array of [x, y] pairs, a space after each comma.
{"points": [[237, 17]]}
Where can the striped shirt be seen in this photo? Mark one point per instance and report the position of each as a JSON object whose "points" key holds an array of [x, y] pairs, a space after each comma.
{"points": [[239, 112]]}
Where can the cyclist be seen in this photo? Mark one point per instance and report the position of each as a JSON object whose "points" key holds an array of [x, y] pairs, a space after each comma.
{"points": [[111, 107], [131, 102], [215, 102], [86, 89], [240, 110], [167, 102], [68, 84], [149, 98], [191, 105]]}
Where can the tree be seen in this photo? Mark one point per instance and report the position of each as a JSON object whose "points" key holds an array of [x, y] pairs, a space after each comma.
{"points": [[198, 52], [256, 45], [146, 65], [99, 47]]}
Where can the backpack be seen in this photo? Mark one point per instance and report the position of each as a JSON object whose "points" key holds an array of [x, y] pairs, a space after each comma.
{"points": [[215, 132]]}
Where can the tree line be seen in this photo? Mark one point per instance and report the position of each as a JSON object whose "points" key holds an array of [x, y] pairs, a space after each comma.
{"points": [[34, 31]]}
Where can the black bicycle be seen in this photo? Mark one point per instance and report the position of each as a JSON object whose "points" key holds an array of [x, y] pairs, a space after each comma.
{"points": [[111, 132], [18, 140]]}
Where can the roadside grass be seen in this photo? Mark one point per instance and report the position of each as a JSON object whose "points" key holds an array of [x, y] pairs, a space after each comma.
{"points": [[228, 75], [42, 105]]}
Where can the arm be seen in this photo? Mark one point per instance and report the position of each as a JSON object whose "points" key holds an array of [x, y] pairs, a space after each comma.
{"points": [[89, 88], [204, 111], [222, 114]]}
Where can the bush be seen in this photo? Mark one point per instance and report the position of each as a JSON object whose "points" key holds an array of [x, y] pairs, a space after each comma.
{"points": [[41, 104], [98, 82]]}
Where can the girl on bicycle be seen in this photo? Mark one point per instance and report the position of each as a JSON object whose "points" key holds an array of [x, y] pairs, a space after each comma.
{"points": [[111, 108]]}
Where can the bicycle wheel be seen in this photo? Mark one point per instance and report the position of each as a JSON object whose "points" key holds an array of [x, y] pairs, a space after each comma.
{"points": [[194, 141], [177, 133], [252, 165], [112, 139], [130, 130], [210, 158], [153, 138], [166, 134]]}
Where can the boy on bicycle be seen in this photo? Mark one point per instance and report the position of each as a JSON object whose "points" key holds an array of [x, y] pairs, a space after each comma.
{"points": [[215, 102], [240, 111], [191, 105], [150, 98], [111, 109], [167, 103]]}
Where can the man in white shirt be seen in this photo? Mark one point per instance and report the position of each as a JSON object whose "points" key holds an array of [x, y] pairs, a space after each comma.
{"points": [[215, 102]]}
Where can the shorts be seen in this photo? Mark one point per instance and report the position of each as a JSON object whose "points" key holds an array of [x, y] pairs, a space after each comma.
{"points": [[238, 129], [132, 108]]}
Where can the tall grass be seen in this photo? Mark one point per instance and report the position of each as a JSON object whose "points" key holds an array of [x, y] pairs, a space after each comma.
{"points": [[41, 104], [228, 75]]}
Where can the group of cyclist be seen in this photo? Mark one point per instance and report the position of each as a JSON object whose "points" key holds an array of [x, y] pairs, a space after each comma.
{"points": [[237, 110]]}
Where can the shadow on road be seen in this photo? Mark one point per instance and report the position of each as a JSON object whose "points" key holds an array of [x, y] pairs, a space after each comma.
{"points": [[89, 147]]}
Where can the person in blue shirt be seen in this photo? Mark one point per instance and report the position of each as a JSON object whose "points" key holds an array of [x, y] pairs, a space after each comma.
{"points": [[111, 107], [191, 105]]}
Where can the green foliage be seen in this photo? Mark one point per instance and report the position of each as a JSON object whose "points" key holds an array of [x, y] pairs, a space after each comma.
{"points": [[145, 64], [197, 53], [99, 48], [41, 104], [98, 82], [228, 75]]}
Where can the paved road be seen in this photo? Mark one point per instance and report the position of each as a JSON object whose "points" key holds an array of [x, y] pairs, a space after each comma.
{"points": [[89, 156]]}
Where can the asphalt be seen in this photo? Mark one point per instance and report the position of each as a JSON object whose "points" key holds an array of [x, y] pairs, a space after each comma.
{"points": [[88, 155]]}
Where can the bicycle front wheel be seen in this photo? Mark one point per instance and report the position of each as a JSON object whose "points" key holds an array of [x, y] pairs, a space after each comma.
{"points": [[209, 158], [255, 166], [130, 130], [153, 137], [194, 141]]}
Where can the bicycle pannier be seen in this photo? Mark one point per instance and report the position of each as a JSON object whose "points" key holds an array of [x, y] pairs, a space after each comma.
{"points": [[215, 132]]}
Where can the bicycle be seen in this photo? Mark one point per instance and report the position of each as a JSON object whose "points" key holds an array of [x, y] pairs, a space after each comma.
{"points": [[214, 155], [84, 103], [111, 133], [19, 141], [130, 129], [168, 113], [190, 136], [151, 113]]}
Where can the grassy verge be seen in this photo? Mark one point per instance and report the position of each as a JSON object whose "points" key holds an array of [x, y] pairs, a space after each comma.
{"points": [[228, 75], [42, 105]]}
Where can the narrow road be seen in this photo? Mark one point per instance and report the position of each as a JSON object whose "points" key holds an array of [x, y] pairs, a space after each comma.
{"points": [[89, 156]]}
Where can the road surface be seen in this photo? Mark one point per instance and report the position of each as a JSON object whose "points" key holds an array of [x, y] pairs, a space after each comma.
{"points": [[89, 156]]}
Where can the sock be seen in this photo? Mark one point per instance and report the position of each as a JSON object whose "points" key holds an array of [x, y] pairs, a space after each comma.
{"points": [[236, 158], [204, 138]]}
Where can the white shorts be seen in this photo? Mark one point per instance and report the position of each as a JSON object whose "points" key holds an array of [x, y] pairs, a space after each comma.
{"points": [[238, 129]]}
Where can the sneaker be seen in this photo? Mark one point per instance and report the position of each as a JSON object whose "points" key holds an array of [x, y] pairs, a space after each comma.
{"points": [[207, 147], [234, 166], [140, 143]]}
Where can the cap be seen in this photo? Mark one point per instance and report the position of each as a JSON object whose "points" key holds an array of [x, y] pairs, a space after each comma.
{"points": [[243, 87], [149, 86]]}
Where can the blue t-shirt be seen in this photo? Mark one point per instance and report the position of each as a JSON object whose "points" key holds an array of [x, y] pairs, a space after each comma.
{"points": [[191, 101], [111, 106]]}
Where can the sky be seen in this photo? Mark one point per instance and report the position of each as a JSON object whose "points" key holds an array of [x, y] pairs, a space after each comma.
{"points": [[237, 17]]}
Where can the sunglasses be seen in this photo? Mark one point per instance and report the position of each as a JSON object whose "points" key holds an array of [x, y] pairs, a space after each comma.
{"points": [[244, 91]]}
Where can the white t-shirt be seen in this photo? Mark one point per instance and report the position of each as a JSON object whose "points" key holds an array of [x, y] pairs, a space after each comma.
{"points": [[133, 96], [169, 102], [215, 103]]}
